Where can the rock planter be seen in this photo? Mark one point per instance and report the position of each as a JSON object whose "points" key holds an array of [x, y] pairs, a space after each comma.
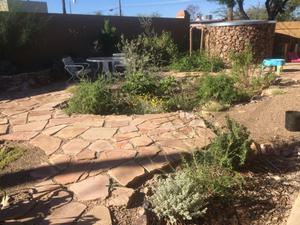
{"points": [[25, 81], [221, 39]]}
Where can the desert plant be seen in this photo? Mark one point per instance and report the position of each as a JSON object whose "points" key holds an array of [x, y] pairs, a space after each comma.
{"points": [[148, 51], [197, 62], [219, 88], [230, 148], [108, 40], [92, 98], [9, 154], [139, 84], [143, 104], [185, 195]]}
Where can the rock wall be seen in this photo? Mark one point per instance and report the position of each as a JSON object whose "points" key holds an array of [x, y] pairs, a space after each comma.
{"points": [[223, 40]]}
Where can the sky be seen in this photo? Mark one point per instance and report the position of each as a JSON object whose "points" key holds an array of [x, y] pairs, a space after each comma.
{"points": [[165, 8]]}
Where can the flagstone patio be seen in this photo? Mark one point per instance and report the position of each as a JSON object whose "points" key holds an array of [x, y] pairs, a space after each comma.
{"points": [[87, 153]]}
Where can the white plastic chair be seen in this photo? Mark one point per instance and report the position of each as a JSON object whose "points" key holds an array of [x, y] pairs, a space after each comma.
{"points": [[76, 70]]}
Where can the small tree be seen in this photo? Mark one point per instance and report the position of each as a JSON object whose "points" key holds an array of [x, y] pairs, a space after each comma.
{"points": [[229, 5], [108, 40]]}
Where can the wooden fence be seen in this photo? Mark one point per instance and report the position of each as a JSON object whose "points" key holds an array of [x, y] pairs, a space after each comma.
{"points": [[287, 38]]}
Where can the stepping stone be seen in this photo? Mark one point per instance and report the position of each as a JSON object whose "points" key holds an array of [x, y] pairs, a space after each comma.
{"points": [[61, 161], [93, 134], [177, 144], [66, 214], [124, 145], [110, 159], [39, 118], [44, 188], [197, 123], [141, 141], [3, 129], [116, 123], [34, 126], [99, 215], [92, 188], [128, 129], [47, 143], [52, 130], [74, 173], [74, 146], [145, 153], [71, 132], [126, 174], [86, 154], [121, 196], [3, 121], [101, 145], [19, 136], [126, 136], [44, 171], [89, 121], [159, 162]]}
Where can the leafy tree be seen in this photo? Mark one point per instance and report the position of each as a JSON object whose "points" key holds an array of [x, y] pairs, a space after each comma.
{"points": [[194, 11], [257, 12], [275, 7], [291, 12], [229, 5]]}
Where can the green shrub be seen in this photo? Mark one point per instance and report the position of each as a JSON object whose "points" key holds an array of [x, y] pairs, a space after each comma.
{"points": [[9, 154], [186, 194], [219, 88], [197, 62], [144, 104], [181, 101], [148, 52], [230, 148], [140, 84], [17, 30], [168, 86], [91, 98]]}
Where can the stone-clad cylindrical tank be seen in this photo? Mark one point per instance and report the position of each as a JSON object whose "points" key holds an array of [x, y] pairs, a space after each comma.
{"points": [[221, 39]]}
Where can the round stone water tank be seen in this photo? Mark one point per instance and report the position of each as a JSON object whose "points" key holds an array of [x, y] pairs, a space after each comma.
{"points": [[221, 39]]}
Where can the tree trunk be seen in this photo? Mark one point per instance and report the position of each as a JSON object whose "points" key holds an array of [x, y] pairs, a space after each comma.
{"points": [[229, 13], [243, 14], [64, 6]]}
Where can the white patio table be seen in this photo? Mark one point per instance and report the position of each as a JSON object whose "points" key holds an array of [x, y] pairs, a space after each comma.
{"points": [[105, 61]]}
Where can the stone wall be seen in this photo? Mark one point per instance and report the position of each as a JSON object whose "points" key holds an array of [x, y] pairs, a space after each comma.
{"points": [[222, 40]]}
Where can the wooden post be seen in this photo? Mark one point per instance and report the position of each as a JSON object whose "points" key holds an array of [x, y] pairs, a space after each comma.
{"points": [[201, 39], [191, 41], [285, 50]]}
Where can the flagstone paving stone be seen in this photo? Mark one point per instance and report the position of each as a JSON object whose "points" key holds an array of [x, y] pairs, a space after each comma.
{"points": [[99, 133], [33, 126], [101, 145], [71, 132], [87, 152], [47, 143], [93, 188], [3, 129], [127, 173], [74, 146], [99, 215], [66, 214]]}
